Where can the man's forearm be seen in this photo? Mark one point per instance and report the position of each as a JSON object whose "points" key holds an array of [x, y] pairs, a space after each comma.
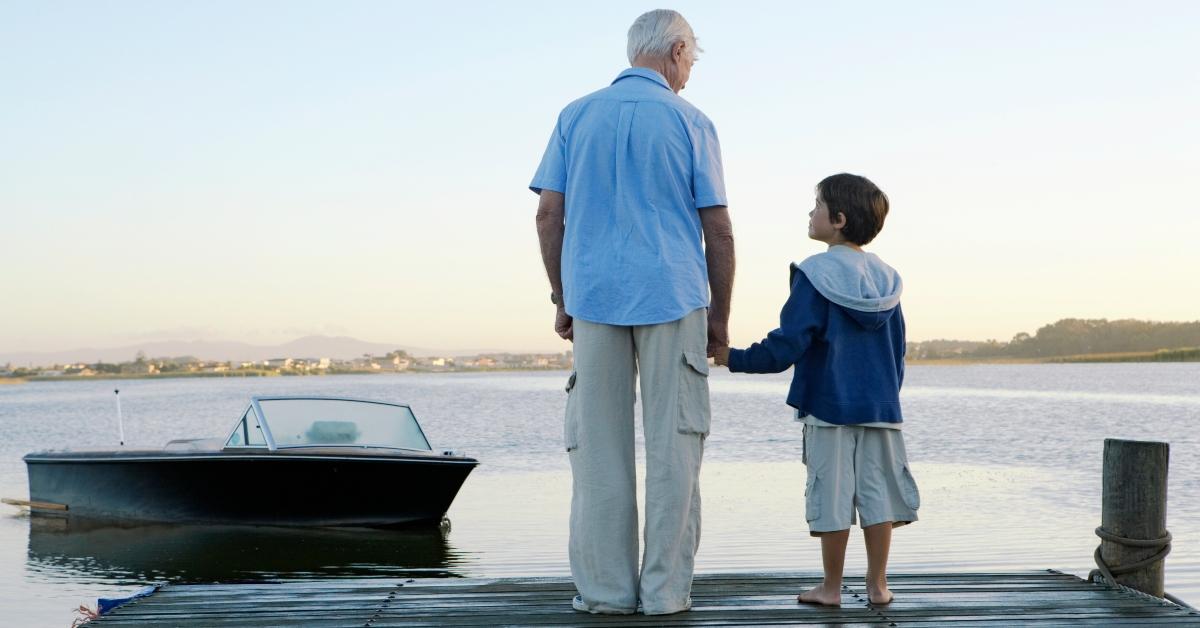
{"points": [[718, 253], [550, 236]]}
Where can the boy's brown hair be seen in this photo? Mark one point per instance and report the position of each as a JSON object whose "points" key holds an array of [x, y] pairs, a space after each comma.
{"points": [[862, 202]]}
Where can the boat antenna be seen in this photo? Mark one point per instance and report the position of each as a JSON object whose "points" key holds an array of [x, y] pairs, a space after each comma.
{"points": [[120, 421]]}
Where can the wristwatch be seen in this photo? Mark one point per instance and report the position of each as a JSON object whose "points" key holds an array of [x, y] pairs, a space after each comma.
{"points": [[556, 299]]}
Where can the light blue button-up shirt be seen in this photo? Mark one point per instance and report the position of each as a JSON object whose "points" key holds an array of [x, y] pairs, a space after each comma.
{"points": [[634, 162]]}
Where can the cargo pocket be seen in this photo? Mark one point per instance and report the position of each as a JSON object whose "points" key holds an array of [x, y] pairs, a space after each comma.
{"points": [[695, 415], [908, 487], [571, 423], [812, 498]]}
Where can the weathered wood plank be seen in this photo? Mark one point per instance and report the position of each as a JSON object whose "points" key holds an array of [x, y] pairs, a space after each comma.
{"points": [[1030, 598], [24, 503]]}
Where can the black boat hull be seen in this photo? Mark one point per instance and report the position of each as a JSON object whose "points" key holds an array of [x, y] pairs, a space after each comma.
{"points": [[260, 489]]}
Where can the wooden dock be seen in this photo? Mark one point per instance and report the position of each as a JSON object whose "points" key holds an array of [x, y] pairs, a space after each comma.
{"points": [[1042, 598]]}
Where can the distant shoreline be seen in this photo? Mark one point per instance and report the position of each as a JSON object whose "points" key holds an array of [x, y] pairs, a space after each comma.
{"points": [[969, 361], [249, 373], [1165, 356], [1162, 355]]}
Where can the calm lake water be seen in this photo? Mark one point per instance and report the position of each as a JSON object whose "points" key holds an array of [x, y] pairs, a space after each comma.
{"points": [[1008, 459]]}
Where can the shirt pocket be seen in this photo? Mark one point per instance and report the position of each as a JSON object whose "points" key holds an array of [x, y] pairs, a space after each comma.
{"points": [[571, 422], [695, 414]]}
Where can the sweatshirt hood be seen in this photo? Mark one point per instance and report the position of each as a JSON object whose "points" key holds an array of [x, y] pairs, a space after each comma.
{"points": [[866, 288]]}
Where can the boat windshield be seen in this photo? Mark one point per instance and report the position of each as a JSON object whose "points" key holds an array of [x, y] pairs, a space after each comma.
{"points": [[341, 422]]}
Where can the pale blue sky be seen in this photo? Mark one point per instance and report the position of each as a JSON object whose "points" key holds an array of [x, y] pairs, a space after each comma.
{"points": [[262, 170]]}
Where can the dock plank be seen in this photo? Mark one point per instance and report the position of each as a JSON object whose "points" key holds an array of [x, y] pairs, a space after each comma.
{"points": [[1042, 599]]}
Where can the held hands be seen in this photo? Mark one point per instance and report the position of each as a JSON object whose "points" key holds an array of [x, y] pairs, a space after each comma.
{"points": [[718, 338], [564, 325], [718, 334]]}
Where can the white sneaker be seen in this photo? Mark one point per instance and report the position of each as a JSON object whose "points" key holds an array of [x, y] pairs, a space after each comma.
{"points": [[687, 606], [578, 604]]}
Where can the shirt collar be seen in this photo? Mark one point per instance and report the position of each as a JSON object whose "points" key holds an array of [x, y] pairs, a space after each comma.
{"points": [[645, 73]]}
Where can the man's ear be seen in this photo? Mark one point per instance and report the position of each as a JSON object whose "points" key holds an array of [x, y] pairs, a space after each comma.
{"points": [[677, 50], [840, 221]]}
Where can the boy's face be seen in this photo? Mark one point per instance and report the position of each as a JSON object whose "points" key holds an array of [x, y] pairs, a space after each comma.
{"points": [[820, 228]]}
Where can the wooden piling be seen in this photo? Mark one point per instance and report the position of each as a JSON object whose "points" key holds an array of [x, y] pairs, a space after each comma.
{"points": [[1134, 513]]}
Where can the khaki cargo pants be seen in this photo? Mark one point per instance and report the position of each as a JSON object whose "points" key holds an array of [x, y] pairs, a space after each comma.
{"points": [[600, 440]]}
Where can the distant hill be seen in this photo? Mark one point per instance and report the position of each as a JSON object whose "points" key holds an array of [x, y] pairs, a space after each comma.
{"points": [[336, 347], [1071, 337]]}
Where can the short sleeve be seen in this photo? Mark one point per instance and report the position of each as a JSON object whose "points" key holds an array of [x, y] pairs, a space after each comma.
{"points": [[552, 172], [708, 175]]}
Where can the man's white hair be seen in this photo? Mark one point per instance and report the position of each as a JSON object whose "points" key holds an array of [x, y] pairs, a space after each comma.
{"points": [[654, 32]]}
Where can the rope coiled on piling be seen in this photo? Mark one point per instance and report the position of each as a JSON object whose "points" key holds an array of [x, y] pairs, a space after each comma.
{"points": [[1108, 573]]}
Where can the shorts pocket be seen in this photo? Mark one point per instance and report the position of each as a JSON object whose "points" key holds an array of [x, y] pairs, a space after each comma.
{"points": [[812, 498], [908, 487], [571, 422], [695, 414]]}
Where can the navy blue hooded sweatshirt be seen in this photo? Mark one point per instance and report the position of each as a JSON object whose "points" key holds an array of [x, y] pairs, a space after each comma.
{"points": [[843, 330]]}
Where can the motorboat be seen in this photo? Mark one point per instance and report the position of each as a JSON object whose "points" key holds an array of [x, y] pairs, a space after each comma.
{"points": [[290, 461]]}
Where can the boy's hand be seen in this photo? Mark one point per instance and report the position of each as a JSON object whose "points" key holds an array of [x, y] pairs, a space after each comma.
{"points": [[721, 356]]}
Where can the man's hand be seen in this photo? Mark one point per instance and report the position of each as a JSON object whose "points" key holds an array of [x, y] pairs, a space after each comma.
{"points": [[718, 333], [721, 356], [564, 325]]}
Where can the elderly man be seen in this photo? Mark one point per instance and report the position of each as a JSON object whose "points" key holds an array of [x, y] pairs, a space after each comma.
{"points": [[634, 230]]}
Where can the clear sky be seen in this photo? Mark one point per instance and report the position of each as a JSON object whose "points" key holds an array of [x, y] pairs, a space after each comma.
{"points": [[258, 171]]}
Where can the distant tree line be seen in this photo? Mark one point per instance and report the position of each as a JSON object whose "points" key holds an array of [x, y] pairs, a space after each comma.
{"points": [[1070, 336]]}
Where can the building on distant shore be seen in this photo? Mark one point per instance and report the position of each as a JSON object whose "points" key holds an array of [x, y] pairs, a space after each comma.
{"points": [[394, 362]]}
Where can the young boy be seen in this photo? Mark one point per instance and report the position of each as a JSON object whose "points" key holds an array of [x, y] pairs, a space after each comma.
{"points": [[843, 331]]}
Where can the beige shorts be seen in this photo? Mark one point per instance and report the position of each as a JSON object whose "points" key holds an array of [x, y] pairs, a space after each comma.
{"points": [[863, 469]]}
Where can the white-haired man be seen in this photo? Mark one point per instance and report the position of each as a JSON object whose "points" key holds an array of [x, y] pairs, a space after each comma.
{"points": [[634, 229]]}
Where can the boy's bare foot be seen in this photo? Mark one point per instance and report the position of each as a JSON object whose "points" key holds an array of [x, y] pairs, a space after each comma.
{"points": [[879, 596], [822, 595]]}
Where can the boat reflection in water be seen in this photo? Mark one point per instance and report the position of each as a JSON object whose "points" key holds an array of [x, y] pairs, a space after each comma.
{"points": [[81, 550]]}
